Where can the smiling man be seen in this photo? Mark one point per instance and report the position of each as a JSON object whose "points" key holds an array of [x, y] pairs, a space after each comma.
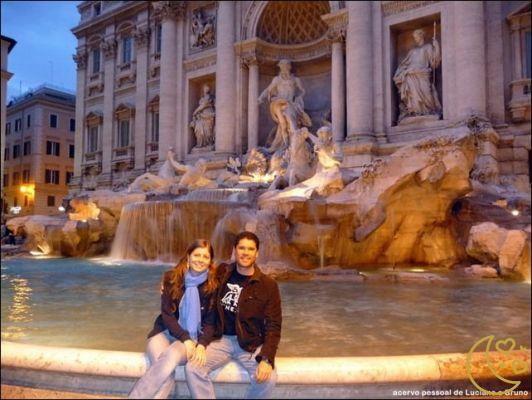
{"points": [[249, 323]]}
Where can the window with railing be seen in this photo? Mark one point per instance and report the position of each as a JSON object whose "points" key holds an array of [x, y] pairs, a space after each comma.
{"points": [[126, 49], [53, 148], [92, 139], [27, 148], [123, 133], [51, 176], [95, 61]]}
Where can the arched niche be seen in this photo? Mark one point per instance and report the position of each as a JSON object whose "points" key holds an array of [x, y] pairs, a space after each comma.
{"points": [[292, 30]]}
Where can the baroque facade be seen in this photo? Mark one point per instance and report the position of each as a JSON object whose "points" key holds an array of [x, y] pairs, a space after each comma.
{"points": [[382, 74]]}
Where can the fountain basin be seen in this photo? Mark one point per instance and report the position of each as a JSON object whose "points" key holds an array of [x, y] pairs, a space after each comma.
{"points": [[114, 373]]}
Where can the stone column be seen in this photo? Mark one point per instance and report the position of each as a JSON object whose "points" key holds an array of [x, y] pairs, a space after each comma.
{"points": [[142, 39], [516, 43], [337, 85], [108, 49], [253, 104], [359, 72], [470, 58], [225, 78], [168, 68], [179, 133], [80, 58]]}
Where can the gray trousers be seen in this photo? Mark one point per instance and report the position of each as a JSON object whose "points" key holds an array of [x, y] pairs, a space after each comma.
{"points": [[165, 354], [219, 353]]}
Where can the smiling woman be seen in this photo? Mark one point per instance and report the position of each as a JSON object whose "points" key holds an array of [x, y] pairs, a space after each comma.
{"points": [[44, 43]]}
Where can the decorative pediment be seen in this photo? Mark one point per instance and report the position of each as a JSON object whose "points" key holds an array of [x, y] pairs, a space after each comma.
{"points": [[94, 118], [125, 110], [153, 104]]}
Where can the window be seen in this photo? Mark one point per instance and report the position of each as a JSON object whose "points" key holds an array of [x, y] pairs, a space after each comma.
{"points": [[27, 148], [16, 151], [53, 121], [15, 201], [50, 201], [126, 50], [6, 180], [71, 150], [51, 176], [6, 154], [158, 37], [92, 140], [155, 126], [97, 9], [52, 148], [28, 120], [26, 176], [16, 178], [18, 124], [68, 177], [95, 61], [8, 128], [72, 125], [123, 133]]}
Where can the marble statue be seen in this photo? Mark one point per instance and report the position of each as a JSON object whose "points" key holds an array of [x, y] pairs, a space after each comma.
{"points": [[415, 81], [193, 176], [285, 95], [202, 30], [202, 123], [300, 157], [324, 148]]}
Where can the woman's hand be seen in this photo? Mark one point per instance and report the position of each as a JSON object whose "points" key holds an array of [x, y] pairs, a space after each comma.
{"points": [[190, 347], [199, 356]]}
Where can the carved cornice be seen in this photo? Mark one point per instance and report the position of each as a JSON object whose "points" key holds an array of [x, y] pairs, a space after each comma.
{"points": [[80, 58], [271, 53], [142, 36], [199, 63], [169, 9], [395, 7], [108, 48]]}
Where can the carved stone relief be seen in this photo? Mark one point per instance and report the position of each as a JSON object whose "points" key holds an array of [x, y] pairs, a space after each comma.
{"points": [[202, 29]]}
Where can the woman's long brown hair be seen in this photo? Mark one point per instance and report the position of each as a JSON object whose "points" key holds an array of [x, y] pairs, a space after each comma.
{"points": [[177, 275]]}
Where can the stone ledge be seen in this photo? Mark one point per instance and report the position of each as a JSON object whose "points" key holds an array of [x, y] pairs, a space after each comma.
{"points": [[113, 372]]}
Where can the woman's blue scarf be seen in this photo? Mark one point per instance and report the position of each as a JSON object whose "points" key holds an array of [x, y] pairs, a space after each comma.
{"points": [[190, 307]]}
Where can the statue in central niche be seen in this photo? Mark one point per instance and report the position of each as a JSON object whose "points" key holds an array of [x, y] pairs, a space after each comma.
{"points": [[285, 95], [202, 123], [414, 79]]}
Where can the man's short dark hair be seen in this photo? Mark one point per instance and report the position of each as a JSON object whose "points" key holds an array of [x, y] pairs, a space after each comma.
{"points": [[247, 235]]}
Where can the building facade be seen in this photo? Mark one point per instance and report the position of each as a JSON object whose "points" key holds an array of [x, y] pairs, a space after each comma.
{"points": [[142, 68], [7, 46], [39, 151]]}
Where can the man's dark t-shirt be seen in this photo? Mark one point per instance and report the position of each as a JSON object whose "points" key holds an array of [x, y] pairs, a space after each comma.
{"points": [[230, 296]]}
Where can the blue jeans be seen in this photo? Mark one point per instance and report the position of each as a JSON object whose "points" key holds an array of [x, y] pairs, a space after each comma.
{"points": [[165, 354], [219, 353]]}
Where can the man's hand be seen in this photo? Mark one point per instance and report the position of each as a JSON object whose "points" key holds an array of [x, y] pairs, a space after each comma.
{"points": [[190, 346], [264, 371], [199, 356]]}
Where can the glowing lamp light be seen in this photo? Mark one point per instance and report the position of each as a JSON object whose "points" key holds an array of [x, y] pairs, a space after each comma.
{"points": [[15, 210], [61, 208], [27, 189], [515, 213]]}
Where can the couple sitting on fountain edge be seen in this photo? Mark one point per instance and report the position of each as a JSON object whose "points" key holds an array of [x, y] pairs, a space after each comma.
{"points": [[211, 315]]}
